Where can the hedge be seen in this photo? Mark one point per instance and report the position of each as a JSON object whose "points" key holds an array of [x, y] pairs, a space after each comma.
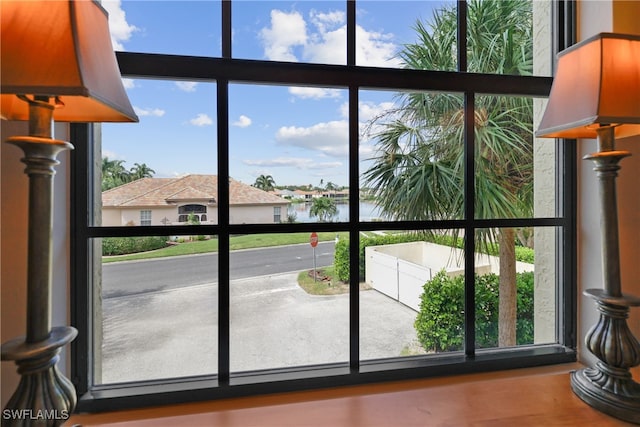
{"points": [[130, 245], [440, 322]]}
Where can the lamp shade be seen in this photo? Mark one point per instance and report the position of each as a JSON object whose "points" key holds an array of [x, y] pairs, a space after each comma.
{"points": [[597, 82], [61, 48]]}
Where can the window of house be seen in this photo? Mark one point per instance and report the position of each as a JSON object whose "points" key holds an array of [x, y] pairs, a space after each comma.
{"points": [[145, 217], [407, 146], [192, 213]]}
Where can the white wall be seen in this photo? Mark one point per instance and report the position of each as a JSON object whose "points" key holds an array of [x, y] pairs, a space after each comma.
{"points": [[254, 214]]}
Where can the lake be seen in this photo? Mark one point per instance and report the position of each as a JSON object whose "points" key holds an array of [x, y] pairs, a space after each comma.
{"points": [[368, 212]]}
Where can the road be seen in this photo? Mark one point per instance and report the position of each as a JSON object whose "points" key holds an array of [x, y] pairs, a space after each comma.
{"points": [[136, 277]]}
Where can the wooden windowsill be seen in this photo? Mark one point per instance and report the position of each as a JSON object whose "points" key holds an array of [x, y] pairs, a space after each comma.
{"points": [[524, 397]]}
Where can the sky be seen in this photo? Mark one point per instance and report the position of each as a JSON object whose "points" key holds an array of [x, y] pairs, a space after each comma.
{"points": [[298, 135]]}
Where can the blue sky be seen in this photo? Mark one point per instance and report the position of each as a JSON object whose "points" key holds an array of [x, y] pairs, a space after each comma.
{"points": [[297, 135]]}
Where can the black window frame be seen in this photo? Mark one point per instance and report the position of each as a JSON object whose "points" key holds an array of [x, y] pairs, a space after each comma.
{"points": [[224, 70]]}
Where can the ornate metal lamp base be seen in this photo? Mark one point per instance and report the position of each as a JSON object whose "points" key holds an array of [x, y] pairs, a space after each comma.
{"points": [[586, 385], [609, 386], [44, 396]]}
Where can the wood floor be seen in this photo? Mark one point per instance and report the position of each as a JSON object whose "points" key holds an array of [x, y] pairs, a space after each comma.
{"points": [[522, 398]]}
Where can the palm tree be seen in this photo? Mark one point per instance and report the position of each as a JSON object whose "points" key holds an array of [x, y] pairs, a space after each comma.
{"points": [[417, 173], [139, 171], [330, 186], [114, 173], [324, 208], [265, 183]]}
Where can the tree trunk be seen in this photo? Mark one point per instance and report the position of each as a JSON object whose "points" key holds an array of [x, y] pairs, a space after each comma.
{"points": [[508, 302]]}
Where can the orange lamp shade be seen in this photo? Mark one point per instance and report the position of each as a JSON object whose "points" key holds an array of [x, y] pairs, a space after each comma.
{"points": [[597, 82], [61, 48]]}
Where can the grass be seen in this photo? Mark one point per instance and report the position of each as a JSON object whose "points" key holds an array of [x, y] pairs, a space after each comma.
{"points": [[325, 282], [236, 243]]}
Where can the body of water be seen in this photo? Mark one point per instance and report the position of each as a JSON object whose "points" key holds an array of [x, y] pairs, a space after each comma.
{"points": [[368, 212]]}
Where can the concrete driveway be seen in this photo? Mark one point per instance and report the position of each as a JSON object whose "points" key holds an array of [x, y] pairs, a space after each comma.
{"points": [[274, 324]]}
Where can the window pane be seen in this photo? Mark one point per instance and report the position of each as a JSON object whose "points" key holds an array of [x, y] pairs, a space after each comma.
{"points": [[168, 159], [414, 298], [509, 37], [499, 37], [281, 314], [407, 34], [163, 26], [288, 148], [412, 152], [156, 314], [289, 162], [515, 288], [291, 31], [504, 154]]}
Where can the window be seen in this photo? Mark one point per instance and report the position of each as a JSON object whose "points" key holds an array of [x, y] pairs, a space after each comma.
{"points": [[145, 217], [192, 213], [403, 181]]}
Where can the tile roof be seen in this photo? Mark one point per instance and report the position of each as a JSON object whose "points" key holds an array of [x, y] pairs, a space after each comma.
{"points": [[169, 191]]}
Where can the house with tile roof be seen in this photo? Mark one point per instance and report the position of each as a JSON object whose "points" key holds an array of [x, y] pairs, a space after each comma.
{"points": [[171, 201]]}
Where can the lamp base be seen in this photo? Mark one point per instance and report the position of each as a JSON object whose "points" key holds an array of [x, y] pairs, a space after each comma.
{"points": [[44, 396], [587, 385], [609, 385]]}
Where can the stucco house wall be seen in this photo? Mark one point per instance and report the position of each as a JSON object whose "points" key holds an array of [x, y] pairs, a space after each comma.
{"points": [[111, 217], [255, 214]]}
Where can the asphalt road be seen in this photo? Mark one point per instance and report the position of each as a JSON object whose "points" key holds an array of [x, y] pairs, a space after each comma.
{"points": [[160, 317], [137, 277]]}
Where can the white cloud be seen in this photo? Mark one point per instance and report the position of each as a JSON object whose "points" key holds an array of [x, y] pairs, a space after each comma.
{"points": [[157, 112], [327, 47], [375, 49], [314, 92], [242, 122], [287, 31], [187, 86], [330, 138], [201, 120], [369, 110], [296, 162], [321, 38], [120, 29], [325, 21], [128, 83]]}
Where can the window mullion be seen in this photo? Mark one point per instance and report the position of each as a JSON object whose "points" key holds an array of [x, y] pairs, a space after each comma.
{"points": [[354, 235], [462, 35], [469, 229], [226, 29], [351, 32], [223, 238], [469, 190]]}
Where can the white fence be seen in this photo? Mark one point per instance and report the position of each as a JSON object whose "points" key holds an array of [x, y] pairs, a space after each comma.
{"points": [[400, 271]]}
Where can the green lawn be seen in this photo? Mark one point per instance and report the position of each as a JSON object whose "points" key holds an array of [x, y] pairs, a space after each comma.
{"points": [[236, 242]]}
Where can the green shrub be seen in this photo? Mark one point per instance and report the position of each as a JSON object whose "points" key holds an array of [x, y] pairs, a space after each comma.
{"points": [[440, 321], [130, 245], [524, 254], [341, 260]]}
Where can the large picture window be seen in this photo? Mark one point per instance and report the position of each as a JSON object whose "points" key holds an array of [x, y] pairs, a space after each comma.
{"points": [[342, 192]]}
